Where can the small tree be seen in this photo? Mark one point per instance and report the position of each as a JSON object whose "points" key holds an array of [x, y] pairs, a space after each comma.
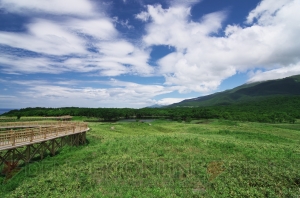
{"points": [[188, 119], [19, 116]]}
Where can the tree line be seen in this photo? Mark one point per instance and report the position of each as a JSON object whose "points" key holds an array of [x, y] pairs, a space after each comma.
{"points": [[271, 110]]}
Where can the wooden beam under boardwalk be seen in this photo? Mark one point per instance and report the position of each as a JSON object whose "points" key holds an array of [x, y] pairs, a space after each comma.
{"points": [[22, 145]]}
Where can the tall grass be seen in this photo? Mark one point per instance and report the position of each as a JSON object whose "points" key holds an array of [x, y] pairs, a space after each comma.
{"points": [[169, 159]]}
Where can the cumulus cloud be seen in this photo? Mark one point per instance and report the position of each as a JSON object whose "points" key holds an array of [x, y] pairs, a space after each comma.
{"points": [[265, 10], [282, 72], [143, 16], [207, 53], [192, 66]]}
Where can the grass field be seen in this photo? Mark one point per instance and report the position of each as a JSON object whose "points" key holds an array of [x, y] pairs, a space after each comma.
{"points": [[206, 158]]}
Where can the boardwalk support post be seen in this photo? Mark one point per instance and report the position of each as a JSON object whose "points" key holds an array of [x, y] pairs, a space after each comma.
{"points": [[22, 147]]}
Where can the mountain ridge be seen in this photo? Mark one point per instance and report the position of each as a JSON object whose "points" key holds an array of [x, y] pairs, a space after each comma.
{"points": [[289, 86]]}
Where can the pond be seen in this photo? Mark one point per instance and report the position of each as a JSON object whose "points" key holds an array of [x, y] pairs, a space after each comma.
{"points": [[134, 120]]}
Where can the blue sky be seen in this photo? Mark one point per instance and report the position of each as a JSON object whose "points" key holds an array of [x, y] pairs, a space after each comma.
{"points": [[138, 53]]}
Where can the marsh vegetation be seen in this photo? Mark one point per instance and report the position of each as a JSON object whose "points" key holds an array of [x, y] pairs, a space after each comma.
{"points": [[203, 158]]}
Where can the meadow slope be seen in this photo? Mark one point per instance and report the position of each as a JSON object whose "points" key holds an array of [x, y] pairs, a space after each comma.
{"points": [[205, 158]]}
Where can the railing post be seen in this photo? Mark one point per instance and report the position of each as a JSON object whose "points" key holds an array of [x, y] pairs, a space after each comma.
{"points": [[13, 137], [31, 135], [45, 133]]}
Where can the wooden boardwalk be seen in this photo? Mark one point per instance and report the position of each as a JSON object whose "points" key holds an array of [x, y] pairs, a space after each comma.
{"points": [[23, 141]]}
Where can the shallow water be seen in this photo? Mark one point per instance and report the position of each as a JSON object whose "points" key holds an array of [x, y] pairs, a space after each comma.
{"points": [[134, 120]]}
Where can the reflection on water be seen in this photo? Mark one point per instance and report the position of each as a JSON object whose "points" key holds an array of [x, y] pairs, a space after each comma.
{"points": [[136, 120]]}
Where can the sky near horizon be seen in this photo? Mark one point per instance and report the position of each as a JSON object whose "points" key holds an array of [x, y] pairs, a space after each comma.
{"points": [[138, 53]]}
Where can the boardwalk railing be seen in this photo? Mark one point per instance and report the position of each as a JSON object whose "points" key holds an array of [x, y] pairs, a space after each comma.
{"points": [[35, 123], [39, 131], [23, 141], [32, 118]]}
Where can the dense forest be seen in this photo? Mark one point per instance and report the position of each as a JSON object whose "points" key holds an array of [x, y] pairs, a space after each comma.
{"points": [[248, 92], [273, 110]]}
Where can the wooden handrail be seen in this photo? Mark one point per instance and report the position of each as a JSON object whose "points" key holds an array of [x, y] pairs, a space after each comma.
{"points": [[36, 123], [26, 135]]}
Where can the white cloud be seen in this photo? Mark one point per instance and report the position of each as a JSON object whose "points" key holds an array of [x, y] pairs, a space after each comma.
{"points": [[169, 101], [109, 64], [117, 49], [112, 68], [62, 93], [99, 28], [183, 3], [269, 43], [143, 16], [70, 41], [265, 10], [18, 65], [6, 97], [57, 7], [44, 37], [124, 23], [140, 90], [203, 58], [192, 66], [123, 52], [282, 72], [84, 40]]}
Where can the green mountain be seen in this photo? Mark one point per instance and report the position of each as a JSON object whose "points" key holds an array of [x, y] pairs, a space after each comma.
{"points": [[289, 86]]}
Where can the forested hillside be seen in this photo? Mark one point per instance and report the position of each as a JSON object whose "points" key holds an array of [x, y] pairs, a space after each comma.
{"points": [[273, 109], [257, 91]]}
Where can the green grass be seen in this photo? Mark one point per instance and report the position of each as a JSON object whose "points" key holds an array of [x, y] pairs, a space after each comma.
{"points": [[207, 158]]}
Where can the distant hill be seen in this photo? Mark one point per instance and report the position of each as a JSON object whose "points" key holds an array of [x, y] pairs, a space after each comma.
{"points": [[156, 106], [256, 91]]}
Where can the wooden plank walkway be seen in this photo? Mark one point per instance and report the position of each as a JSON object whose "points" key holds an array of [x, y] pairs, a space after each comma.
{"points": [[37, 132], [21, 142]]}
